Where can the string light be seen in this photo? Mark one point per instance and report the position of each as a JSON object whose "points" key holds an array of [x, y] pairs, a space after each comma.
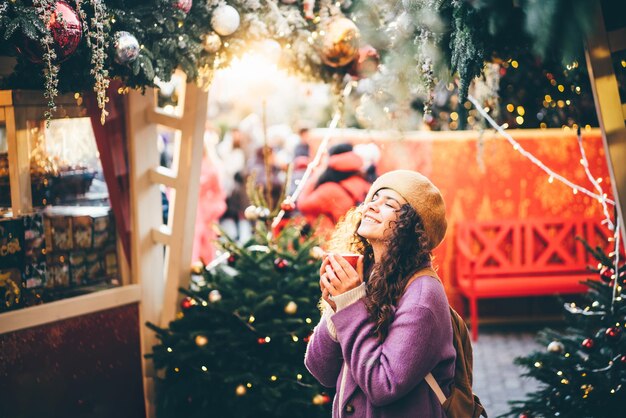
{"points": [[318, 155]]}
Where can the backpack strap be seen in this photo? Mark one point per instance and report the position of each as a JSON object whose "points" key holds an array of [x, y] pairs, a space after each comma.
{"points": [[430, 379], [435, 387]]}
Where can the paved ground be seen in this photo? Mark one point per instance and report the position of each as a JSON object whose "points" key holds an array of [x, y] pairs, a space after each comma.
{"points": [[496, 379]]}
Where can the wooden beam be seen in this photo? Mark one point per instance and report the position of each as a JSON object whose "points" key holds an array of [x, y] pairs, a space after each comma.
{"points": [[19, 163], [68, 308], [165, 176], [187, 162], [164, 119], [147, 258], [162, 235], [609, 109]]}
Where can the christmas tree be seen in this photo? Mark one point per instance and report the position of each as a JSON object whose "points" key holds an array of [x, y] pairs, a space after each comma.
{"points": [[237, 348], [583, 370]]}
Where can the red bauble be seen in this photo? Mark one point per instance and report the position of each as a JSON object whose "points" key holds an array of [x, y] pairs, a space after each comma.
{"points": [[66, 30], [184, 5], [365, 64], [612, 334], [325, 398], [605, 274], [187, 303], [588, 344], [281, 264], [307, 338], [262, 340], [622, 359], [288, 206], [231, 259], [524, 415]]}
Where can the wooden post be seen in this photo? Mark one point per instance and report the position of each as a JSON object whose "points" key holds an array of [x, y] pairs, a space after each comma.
{"points": [[161, 254], [600, 47]]}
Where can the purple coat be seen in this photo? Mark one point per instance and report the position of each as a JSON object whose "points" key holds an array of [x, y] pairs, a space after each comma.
{"points": [[386, 379]]}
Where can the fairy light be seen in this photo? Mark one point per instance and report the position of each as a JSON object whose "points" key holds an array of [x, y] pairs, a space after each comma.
{"points": [[600, 196], [318, 155], [516, 145]]}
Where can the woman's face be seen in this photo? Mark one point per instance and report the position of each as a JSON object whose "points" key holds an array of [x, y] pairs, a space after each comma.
{"points": [[379, 213]]}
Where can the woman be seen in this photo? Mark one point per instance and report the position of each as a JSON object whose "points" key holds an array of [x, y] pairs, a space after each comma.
{"points": [[339, 188], [378, 339]]}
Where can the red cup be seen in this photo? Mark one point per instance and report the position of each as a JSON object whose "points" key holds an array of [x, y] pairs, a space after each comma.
{"points": [[351, 258]]}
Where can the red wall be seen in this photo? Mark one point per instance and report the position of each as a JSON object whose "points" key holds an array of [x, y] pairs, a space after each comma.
{"points": [[487, 179]]}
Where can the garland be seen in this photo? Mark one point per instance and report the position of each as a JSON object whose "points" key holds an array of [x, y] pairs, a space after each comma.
{"points": [[420, 42]]}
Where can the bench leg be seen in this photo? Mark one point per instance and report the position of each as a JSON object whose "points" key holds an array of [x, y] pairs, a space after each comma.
{"points": [[474, 317]]}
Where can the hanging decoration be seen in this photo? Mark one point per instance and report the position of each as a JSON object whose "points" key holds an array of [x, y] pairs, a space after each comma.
{"points": [[340, 42], [365, 64], [66, 30], [225, 20], [184, 5], [211, 42], [126, 47]]}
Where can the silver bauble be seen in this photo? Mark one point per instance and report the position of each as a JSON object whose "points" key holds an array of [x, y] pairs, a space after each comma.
{"points": [[556, 347], [211, 42], [225, 20], [126, 47], [251, 213], [262, 213]]}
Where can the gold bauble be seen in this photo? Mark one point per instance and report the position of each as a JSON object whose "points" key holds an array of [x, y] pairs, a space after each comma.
{"points": [[241, 390], [340, 42], [291, 308], [318, 399], [201, 340], [211, 42]]}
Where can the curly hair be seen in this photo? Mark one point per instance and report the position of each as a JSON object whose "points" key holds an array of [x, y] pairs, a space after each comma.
{"points": [[405, 255]]}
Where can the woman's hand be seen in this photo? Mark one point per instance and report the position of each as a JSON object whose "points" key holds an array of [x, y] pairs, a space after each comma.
{"points": [[337, 276]]}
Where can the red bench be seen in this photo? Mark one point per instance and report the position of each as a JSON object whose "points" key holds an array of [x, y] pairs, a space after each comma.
{"points": [[529, 257]]}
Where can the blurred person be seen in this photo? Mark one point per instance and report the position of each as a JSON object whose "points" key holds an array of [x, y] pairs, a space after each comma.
{"points": [[211, 201], [370, 154], [338, 188]]}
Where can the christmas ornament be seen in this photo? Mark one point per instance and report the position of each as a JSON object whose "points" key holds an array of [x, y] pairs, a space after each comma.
{"points": [[262, 213], [231, 259], [524, 415], [622, 359], [291, 308], [606, 274], [588, 344], [317, 253], [201, 340], [211, 42], [126, 47], [365, 64], [241, 390], [215, 296], [281, 264], [184, 5], [262, 340], [613, 334], [251, 213], [340, 42], [187, 303], [307, 338], [197, 267], [66, 30], [321, 399], [288, 206], [556, 347], [225, 20]]}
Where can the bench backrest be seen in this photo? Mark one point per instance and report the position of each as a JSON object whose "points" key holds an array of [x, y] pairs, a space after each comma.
{"points": [[527, 246]]}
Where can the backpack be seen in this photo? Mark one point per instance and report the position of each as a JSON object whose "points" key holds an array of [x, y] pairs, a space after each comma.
{"points": [[462, 402]]}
